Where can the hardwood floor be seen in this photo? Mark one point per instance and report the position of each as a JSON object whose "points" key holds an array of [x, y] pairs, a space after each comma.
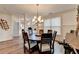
{"points": [[11, 47], [15, 46]]}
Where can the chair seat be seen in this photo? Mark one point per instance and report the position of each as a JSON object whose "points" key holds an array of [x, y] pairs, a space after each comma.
{"points": [[31, 45], [45, 47]]}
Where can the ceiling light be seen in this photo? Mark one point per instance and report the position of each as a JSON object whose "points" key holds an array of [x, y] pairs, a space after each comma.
{"points": [[37, 19]]}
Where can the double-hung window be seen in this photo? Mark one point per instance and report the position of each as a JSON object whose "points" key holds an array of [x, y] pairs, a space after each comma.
{"points": [[53, 24]]}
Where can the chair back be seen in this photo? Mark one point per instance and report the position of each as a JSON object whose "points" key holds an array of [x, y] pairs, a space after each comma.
{"points": [[25, 36], [46, 38], [41, 32], [54, 37], [49, 31], [23, 31]]}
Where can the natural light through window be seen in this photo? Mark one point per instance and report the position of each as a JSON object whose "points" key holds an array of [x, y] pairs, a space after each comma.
{"points": [[53, 24]]}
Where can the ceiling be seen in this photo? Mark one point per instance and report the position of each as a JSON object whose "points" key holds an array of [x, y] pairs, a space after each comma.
{"points": [[30, 9]]}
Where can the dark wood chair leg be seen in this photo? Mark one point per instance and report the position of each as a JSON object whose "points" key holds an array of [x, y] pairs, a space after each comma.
{"points": [[24, 50]]}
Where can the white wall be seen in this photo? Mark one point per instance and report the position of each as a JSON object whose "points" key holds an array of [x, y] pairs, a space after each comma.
{"points": [[68, 21], [5, 35], [11, 19]]}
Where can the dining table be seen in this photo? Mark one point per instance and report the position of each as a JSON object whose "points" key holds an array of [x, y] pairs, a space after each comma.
{"points": [[35, 37]]}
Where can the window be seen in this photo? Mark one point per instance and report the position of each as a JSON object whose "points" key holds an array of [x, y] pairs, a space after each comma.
{"points": [[56, 21], [47, 23], [54, 24]]}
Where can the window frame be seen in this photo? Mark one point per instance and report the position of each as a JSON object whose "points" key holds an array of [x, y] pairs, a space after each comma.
{"points": [[51, 27]]}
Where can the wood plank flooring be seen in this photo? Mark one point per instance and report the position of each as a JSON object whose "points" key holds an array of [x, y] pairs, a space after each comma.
{"points": [[11, 47], [15, 46]]}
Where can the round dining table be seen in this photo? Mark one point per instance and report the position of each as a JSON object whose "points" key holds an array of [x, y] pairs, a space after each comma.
{"points": [[35, 37]]}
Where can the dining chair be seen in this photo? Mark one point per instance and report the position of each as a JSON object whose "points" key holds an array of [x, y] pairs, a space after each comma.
{"points": [[28, 44], [76, 51], [45, 44], [23, 31], [49, 31], [41, 31], [53, 41]]}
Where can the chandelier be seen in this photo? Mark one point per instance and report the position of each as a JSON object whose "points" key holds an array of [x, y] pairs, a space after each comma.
{"points": [[37, 19]]}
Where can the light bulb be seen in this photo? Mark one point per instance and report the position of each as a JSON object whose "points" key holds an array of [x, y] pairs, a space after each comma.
{"points": [[33, 20], [35, 17], [39, 18], [42, 20]]}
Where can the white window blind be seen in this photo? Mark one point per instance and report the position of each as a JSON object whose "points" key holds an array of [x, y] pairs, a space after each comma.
{"points": [[53, 24], [47, 23], [56, 21]]}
